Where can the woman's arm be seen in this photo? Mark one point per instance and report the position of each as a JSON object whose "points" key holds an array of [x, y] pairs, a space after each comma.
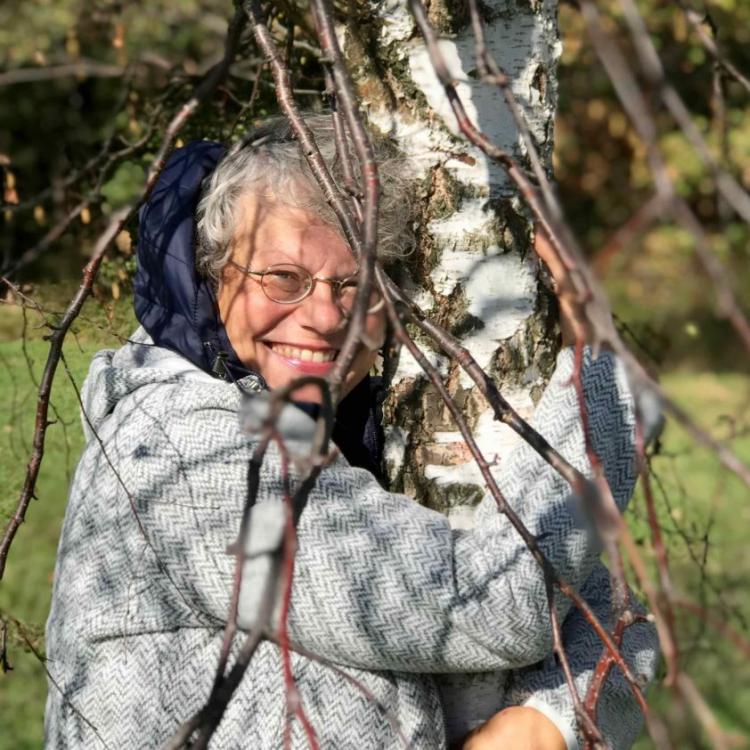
{"points": [[391, 586], [543, 686], [380, 582], [538, 705]]}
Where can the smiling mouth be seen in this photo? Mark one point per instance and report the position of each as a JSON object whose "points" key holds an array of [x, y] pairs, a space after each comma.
{"points": [[302, 354]]}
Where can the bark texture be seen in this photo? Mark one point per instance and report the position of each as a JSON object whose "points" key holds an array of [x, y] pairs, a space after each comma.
{"points": [[472, 266]]}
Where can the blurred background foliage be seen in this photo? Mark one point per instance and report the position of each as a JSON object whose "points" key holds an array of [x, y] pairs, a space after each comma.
{"points": [[655, 283], [78, 75]]}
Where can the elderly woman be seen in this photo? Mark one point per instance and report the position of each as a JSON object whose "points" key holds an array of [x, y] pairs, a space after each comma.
{"points": [[383, 587]]}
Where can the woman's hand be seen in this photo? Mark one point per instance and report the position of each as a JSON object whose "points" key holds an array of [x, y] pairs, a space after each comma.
{"points": [[516, 728], [573, 322]]}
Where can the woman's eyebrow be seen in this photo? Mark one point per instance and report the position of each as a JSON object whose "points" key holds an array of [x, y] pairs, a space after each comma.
{"points": [[264, 252]]}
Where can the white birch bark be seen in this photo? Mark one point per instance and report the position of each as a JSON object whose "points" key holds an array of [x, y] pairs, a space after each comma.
{"points": [[473, 267]]}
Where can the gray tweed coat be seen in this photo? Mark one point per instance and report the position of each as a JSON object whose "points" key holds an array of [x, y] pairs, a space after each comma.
{"points": [[383, 587]]}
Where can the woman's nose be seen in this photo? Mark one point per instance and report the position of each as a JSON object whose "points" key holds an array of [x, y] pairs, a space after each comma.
{"points": [[320, 311]]}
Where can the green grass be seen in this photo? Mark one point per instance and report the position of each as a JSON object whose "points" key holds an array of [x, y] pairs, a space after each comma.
{"points": [[705, 514], [26, 587], [704, 524]]}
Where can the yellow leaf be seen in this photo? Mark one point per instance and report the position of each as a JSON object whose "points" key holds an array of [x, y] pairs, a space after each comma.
{"points": [[11, 194], [115, 290], [596, 109], [124, 242], [39, 214], [617, 124], [85, 216]]}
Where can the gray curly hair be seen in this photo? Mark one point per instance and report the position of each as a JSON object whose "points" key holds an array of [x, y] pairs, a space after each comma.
{"points": [[269, 162]]}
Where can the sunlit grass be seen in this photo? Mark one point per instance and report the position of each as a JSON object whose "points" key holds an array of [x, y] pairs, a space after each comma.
{"points": [[705, 514], [26, 587]]}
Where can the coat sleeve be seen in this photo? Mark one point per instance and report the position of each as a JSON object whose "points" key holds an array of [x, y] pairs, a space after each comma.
{"points": [[381, 582], [543, 685]]}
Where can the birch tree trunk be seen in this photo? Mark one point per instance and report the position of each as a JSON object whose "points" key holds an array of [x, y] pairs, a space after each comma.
{"points": [[473, 268]]}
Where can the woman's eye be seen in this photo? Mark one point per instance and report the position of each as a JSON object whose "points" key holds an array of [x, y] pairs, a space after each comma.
{"points": [[283, 283], [284, 276]]}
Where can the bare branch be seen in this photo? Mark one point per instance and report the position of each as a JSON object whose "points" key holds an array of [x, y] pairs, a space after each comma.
{"points": [[711, 47], [116, 223], [635, 104], [733, 192]]}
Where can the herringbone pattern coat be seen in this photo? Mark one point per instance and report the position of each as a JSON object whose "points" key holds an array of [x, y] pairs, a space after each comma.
{"points": [[382, 586]]}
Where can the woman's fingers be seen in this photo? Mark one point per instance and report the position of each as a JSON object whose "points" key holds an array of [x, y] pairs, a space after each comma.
{"points": [[517, 727]]}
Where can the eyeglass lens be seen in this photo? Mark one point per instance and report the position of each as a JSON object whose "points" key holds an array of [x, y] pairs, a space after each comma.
{"points": [[286, 283], [289, 283]]}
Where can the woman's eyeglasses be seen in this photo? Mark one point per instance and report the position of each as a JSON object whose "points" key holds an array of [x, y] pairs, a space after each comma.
{"points": [[288, 284]]}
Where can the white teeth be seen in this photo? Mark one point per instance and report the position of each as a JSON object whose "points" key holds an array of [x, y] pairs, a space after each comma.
{"points": [[306, 355]]}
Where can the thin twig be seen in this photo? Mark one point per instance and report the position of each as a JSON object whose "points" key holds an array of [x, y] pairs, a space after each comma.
{"points": [[711, 47], [347, 98], [115, 225], [637, 107], [735, 195]]}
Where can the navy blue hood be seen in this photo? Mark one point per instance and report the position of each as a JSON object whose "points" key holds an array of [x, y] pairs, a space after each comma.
{"points": [[178, 309], [172, 301]]}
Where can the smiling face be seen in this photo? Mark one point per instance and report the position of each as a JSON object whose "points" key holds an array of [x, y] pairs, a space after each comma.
{"points": [[284, 342]]}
